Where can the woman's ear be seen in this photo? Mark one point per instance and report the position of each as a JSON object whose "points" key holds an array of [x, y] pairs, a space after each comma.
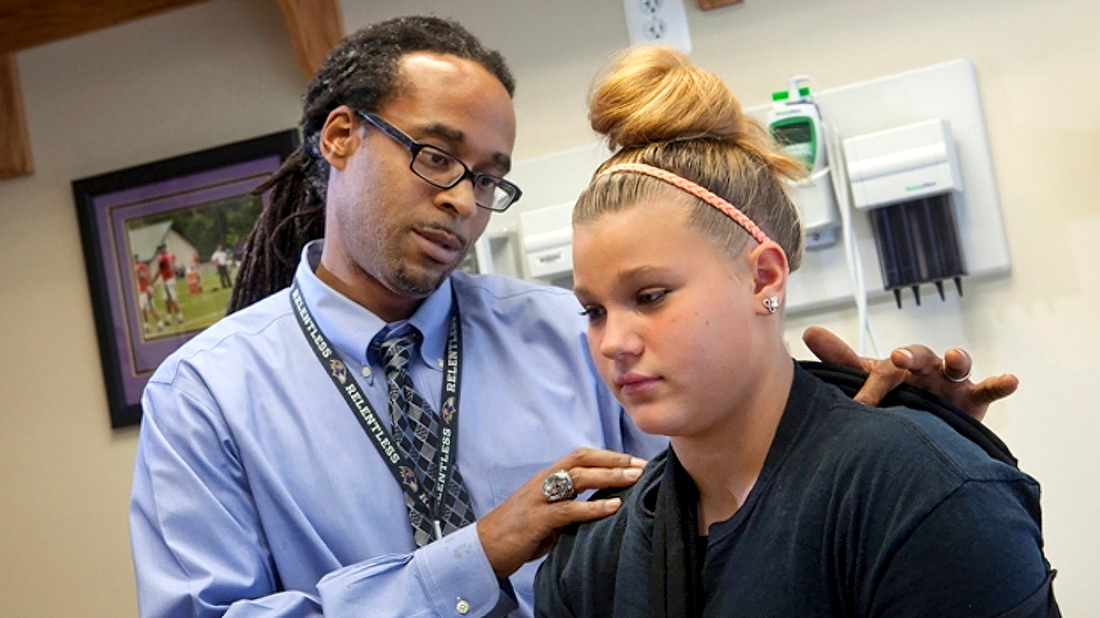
{"points": [[340, 137], [770, 272]]}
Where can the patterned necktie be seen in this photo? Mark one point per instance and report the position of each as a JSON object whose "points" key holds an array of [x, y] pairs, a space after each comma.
{"points": [[416, 431]]}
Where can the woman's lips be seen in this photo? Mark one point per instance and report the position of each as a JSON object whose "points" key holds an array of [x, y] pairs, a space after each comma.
{"points": [[635, 384]]}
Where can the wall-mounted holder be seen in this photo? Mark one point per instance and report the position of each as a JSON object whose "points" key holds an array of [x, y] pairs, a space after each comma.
{"points": [[547, 241], [947, 91], [542, 221], [906, 180]]}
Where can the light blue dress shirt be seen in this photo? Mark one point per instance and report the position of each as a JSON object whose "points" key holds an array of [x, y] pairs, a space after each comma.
{"points": [[257, 493]]}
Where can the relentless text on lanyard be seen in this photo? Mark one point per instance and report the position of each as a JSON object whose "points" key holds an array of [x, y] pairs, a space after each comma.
{"points": [[357, 401]]}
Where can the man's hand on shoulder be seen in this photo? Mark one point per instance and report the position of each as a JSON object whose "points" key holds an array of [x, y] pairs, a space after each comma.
{"points": [[916, 365], [525, 526]]}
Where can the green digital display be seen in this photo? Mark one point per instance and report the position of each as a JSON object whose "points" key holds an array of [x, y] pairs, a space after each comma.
{"points": [[798, 138], [796, 132]]}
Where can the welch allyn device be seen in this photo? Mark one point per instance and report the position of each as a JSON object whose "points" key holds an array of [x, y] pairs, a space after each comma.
{"points": [[794, 122], [905, 178]]}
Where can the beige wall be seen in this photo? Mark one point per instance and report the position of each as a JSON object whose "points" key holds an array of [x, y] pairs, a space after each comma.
{"points": [[223, 71]]}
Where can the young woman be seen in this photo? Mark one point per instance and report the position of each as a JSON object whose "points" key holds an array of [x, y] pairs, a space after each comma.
{"points": [[778, 496]]}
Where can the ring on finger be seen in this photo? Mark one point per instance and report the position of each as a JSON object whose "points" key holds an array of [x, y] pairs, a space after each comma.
{"points": [[558, 486], [946, 374]]}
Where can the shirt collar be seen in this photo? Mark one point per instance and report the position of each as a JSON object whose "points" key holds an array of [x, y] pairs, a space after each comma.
{"points": [[351, 327]]}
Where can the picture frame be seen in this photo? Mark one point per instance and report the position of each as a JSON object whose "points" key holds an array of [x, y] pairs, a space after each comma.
{"points": [[151, 236]]}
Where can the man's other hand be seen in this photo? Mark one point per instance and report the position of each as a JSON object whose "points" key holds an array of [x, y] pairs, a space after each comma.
{"points": [[916, 365]]}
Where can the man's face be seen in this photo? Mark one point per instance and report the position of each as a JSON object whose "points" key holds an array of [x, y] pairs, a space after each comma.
{"points": [[388, 231]]}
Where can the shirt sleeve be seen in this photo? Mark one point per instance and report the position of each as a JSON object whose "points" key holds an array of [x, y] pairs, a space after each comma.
{"points": [[450, 577], [977, 553], [200, 549]]}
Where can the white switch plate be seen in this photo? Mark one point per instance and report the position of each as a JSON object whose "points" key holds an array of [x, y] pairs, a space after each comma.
{"points": [[658, 22]]}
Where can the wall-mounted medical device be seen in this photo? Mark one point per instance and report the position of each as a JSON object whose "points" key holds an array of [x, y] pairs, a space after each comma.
{"points": [[540, 226], [906, 179], [943, 95], [548, 243], [794, 121]]}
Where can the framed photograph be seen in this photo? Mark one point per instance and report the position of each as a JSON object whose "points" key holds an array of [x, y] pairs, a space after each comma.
{"points": [[162, 242]]}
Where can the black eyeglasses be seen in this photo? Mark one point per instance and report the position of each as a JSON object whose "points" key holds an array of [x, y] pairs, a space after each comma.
{"points": [[442, 169]]}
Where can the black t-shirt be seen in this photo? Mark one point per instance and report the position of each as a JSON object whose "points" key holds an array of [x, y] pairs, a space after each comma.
{"points": [[857, 512]]}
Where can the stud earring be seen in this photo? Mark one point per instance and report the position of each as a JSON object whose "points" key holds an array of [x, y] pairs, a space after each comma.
{"points": [[771, 304]]}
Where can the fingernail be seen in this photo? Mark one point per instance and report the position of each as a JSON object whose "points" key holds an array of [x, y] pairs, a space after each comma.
{"points": [[632, 474], [906, 353], [637, 462], [613, 504]]}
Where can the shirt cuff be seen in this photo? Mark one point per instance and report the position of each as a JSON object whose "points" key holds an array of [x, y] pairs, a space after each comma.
{"points": [[459, 577]]}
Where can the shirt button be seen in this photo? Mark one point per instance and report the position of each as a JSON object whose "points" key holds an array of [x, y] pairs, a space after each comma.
{"points": [[462, 607], [440, 363], [366, 372]]}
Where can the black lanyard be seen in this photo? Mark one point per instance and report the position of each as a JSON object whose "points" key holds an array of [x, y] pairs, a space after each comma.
{"points": [[349, 388]]}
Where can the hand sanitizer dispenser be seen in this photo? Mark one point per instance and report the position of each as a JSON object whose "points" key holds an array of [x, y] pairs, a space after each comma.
{"points": [[905, 179]]}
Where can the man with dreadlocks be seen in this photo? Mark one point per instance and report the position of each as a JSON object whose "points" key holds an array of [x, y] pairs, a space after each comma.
{"points": [[302, 456], [269, 480]]}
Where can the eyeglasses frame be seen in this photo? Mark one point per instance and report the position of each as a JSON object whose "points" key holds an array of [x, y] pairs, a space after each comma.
{"points": [[414, 147]]}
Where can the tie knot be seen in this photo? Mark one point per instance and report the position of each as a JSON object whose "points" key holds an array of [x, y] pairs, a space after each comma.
{"points": [[398, 347]]}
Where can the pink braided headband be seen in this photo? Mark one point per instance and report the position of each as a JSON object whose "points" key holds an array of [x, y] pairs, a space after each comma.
{"points": [[700, 192]]}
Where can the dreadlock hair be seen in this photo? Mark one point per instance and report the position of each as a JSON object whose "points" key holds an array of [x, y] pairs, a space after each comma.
{"points": [[362, 72]]}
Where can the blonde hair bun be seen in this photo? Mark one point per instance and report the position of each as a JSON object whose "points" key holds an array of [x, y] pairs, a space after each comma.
{"points": [[653, 94]]}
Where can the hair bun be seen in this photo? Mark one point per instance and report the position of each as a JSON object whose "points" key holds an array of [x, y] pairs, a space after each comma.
{"points": [[654, 94]]}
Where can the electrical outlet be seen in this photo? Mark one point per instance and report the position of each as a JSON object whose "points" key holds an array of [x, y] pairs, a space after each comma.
{"points": [[658, 22]]}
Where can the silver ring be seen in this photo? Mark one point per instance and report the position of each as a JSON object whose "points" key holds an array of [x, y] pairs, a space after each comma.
{"points": [[558, 486], [943, 369]]}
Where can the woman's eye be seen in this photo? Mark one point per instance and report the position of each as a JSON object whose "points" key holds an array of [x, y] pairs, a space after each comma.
{"points": [[651, 296], [592, 312]]}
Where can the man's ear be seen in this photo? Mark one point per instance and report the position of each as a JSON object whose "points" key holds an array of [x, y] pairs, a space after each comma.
{"points": [[340, 137], [770, 270]]}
